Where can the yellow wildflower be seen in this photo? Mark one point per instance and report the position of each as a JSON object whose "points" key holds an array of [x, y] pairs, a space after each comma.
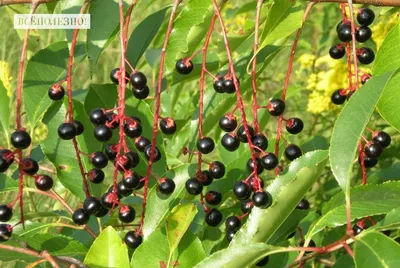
{"points": [[5, 76]]}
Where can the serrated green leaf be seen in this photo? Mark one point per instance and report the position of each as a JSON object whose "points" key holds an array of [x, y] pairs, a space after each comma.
{"points": [[4, 113], [107, 250], [388, 57], [286, 190], [366, 200], [375, 250]]}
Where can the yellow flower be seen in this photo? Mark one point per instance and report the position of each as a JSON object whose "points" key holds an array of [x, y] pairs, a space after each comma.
{"points": [[380, 30], [318, 102], [5, 76], [306, 60]]}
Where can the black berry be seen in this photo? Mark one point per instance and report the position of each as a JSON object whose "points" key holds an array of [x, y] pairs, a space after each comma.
{"points": [[228, 86], [131, 179], [205, 178], [250, 166], [217, 170], [205, 145], [3, 165], [112, 121], [126, 214], [80, 217], [213, 217], [107, 200], [233, 223], [242, 190], [44, 182], [168, 126], [166, 186], [102, 212], [133, 158], [156, 152], [230, 142], [241, 133], [294, 125], [6, 159], [344, 32], [5, 213], [218, 85], [373, 149], [98, 116], [276, 107], [184, 66], [29, 166], [357, 229], [365, 16], [111, 151], [292, 152], [194, 186], [246, 206], [67, 131], [133, 129], [138, 80], [369, 162], [56, 92], [337, 51], [260, 141], [365, 55], [99, 160], [213, 198], [91, 205], [303, 205], [102, 133], [141, 143], [96, 175], [5, 232], [228, 123], [382, 138], [122, 190], [338, 97], [20, 139], [141, 93], [269, 161], [116, 74], [363, 34], [229, 235], [262, 199], [78, 126], [133, 240]]}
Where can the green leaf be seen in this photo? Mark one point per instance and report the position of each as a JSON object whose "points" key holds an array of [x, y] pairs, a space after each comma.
{"points": [[286, 190], [350, 125], [71, 7], [375, 250], [107, 251], [366, 200], [391, 221], [7, 183], [56, 245], [143, 35], [46, 67], [178, 222], [4, 112], [388, 57], [388, 104], [100, 96]]}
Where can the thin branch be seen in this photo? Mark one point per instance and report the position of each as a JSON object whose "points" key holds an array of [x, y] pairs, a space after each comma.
{"points": [[41, 255], [15, 2]]}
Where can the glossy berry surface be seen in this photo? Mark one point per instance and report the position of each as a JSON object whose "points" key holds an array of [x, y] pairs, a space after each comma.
{"points": [[294, 125], [6, 159], [141, 143], [126, 214], [246, 206], [91, 205], [213, 217], [365, 16], [292, 152], [141, 93], [382, 138], [363, 34], [229, 235], [20, 139], [5, 232], [131, 179], [122, 190], [250, 166], [99, 160], [115, 75], [217, 170], [260, 141], [228, 123], [107, 200], [193, 186], [269, 161], [138, 80], [337, 52], [357, 229], [78, 126], [338, 97], [29, 166], [228, 86], [102, 133], [168, 126], [156, 152], [102, 212], [112, 121], [344, 32], [44, 182], [56, 92], [133, 129], [303, 204], [241, 133], [218, 85], [97, 116], [67, 131], [369, 162], [365, 55], [276, 107], [184, 66], [262, 199], [133, 240], [5, 213], [241, 190], [111, 151], [133, 159], [213, 198], [264, 261], [96, 175], [166, 186], [230, 142], [205, 145], [3, 165], [80, 217], [233, 223], [205, 178], [373, 149]]}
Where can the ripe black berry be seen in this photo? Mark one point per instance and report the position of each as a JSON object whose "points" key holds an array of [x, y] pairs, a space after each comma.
{"points": [[166, 186], [229, 235], [260, 141], [107, 200], [263, 261], [382, 138], [269, 161], [80, 217], [213, 198], [338, 97], [44, 182], [126, 214], [262, 199], [6, 159], [228, 86], [5, 213], [250, 166], [131, 179], [363, 34], [141, 93], [242, 190], [20, 139], [228, 123], [205, 178], [98, 116], [141, 143], [276, 107], [67, 131], [122, 190], [337, 51], [357, 229], [156, 152], [292, 152], [111, 151], [365, 55], [5, 232], [96, 175], [133, 159], [112, 121], [241, 133], [168, 126], [184, 66], [56, 92], [246, 206], [205, 145], [294, 125], [133, 240], [217, 170], [365, 16], [213, 217], [3, 165], [194, 186], [369, 162], [218, 85], [133, 129], [91, 205], [116, 74], [303, 205], [138, 80], [29, 166], [99, 160], [102, 212], [373, 149], [78, 126], [233, 223], [344, 32], [230, 142], [102, 133]]}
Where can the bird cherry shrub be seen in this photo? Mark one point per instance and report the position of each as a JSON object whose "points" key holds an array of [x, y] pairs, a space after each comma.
{"points": [[175, 138]]}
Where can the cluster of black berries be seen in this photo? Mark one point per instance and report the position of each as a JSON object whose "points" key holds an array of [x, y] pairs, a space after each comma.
{"points": [[374, 148], [138, 81]]}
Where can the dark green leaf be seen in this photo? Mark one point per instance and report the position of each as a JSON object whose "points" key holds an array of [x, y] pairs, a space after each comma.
{"points": [[388, 57], [100, 96], [56, 245]]}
